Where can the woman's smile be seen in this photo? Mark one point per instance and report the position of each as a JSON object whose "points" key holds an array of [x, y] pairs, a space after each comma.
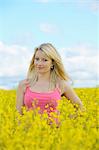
{"points": [[40, 68]]}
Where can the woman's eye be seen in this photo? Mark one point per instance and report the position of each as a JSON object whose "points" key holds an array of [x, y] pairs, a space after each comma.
{"points": [[39, 59], [36, 58], [45, 59]]}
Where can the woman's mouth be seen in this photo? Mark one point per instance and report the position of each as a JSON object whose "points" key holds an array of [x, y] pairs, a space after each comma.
{"points": [[40, 68]]}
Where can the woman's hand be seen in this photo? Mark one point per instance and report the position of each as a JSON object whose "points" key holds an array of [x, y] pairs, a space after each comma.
{"points": [[73, 116], [79, 112]]}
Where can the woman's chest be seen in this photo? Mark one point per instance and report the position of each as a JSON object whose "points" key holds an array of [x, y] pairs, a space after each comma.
{"points": [[40, 87], [41, 100]]}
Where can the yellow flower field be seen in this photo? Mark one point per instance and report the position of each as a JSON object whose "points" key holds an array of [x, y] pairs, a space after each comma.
{"points": [[31, 131]]}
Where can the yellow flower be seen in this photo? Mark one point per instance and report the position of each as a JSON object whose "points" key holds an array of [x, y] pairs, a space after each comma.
{"points": [[46, 106]]}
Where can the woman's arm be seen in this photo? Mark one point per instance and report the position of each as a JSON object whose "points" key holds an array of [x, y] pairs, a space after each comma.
{"points": [[70, 94], [20, 96]]}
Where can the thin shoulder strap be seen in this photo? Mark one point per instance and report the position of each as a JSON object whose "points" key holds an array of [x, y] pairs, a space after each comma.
{"points": [[57, 87], [26, 87]]}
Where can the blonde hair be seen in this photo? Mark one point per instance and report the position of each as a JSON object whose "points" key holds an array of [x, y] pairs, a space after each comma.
{"points": [[58, 71]]}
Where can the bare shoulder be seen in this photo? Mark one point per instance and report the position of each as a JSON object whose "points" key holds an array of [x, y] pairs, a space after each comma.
{"points": [[64, 85], [22, 85]]}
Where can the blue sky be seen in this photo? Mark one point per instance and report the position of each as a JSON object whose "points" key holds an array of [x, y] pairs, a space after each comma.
{"points": [[71, 26]]}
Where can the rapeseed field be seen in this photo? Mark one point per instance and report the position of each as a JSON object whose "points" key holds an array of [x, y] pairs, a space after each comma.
{"points": [[31, 131]]}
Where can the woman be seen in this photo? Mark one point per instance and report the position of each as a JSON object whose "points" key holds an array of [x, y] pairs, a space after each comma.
{"points": [[47, 82]]}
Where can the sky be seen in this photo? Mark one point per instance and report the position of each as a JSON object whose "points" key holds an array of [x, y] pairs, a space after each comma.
{"points": [[72, 26]]}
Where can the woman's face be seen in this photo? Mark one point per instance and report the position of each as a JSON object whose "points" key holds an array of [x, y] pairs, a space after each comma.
{"points": [[42, 63]]}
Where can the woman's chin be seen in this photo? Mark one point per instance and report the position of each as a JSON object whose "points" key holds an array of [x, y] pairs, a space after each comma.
{"points": [[41, 71]]}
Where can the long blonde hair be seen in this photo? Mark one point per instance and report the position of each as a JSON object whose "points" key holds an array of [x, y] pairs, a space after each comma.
{"points": [[58, 71]]}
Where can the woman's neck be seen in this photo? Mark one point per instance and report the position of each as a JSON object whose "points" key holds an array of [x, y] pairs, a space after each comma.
{"points": [[44, 77]]}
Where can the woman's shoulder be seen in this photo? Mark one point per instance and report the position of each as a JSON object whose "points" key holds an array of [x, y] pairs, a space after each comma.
{"points": [[63, 84], [22, 85]]}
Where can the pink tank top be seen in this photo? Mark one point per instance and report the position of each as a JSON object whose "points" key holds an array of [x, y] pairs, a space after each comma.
{"points": [[45, 101]]}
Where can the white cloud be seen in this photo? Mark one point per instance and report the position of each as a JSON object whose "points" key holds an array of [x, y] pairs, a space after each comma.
{"points": [[86, 83], [12, 49], [81, 50], [81, 62], [14, 59], [48, 28]]}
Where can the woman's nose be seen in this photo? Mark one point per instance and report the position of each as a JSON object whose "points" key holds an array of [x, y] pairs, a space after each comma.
{"points": [[40, 62]]}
